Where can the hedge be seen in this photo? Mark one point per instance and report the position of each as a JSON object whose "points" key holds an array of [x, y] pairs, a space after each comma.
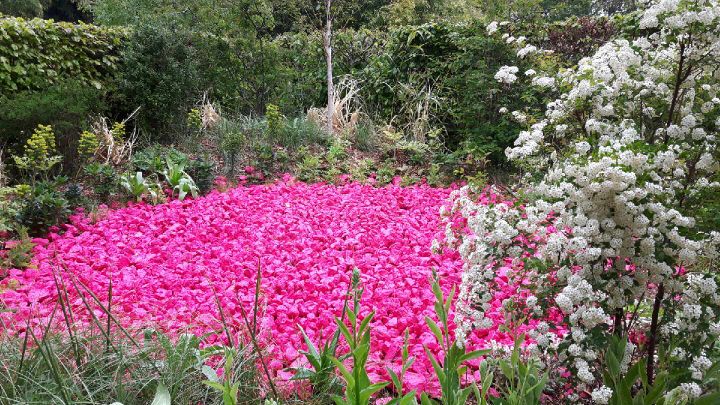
{"points": [[37, 53]]}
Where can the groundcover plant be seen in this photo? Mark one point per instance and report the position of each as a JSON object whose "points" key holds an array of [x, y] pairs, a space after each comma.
{"points": [[168, 262]]}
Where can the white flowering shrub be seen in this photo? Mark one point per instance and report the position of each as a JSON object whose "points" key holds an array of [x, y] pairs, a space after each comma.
{"points": [[602, 231]]}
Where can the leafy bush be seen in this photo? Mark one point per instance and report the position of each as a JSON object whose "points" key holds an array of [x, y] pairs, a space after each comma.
{"points": [[42, 207], [64, 105], [202, 171], [178, 180], [39, 155], [37, 53], [18, 254], [302, 131], [440, 75], [102, 178], [137, 186], [160, 75], [153, 159]]}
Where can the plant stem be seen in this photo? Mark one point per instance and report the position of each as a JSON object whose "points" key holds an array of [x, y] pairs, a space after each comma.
{"points": [[652, 342]]}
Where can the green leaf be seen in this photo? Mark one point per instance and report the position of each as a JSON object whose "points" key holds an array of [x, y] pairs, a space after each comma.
{"points": [[438, 370], [368, 391], [425, 400], [709, 399], [408, 399], [344, 371], [434, 328], [162, 395], [394, 378], [472, 355], [210, 373]]}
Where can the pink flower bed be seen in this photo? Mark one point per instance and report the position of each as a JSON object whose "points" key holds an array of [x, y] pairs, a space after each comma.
{"points": [[167, 262]]}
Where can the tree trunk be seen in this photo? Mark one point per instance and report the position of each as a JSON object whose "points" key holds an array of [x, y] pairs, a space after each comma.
{"points": [[327, 45]]}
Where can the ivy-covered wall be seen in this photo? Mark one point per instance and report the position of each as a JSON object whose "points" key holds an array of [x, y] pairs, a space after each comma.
{"points": [[35, 54]]}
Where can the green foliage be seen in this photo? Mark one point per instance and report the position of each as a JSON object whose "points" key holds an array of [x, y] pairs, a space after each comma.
{"points": [[358, 388], [302, 80], [42, 207], [633, 387], [19, 255], [179, 181], [452, 367], [397, 380], [322, 375], [103, 363], [225, 384], [202, 171], [153, 159], [364, 137], [23, 8], [523, 382], [231, 145], [275, 125], [301, 131], [74, 195], [39, 153], [137, 186], [102, 178], [440, 75], [88, 144], [194, 119], [36, 53], [308, 167], [65, 106], [160, 75]]}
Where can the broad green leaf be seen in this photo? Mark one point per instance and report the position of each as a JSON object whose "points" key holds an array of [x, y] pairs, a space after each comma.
{"points": [[162, 395]]}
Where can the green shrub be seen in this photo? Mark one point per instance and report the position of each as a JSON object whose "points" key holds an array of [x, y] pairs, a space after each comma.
{"points": [[64, 105], [275, 122], [202, 170], [160, 75], [39, 154], [308, 168], [103, 179], [365, 136], [88, 144], [441, 75], [302, 131], [38, 53], [231, 145], [19, 255], [137, 186], [153, 159], [179, 181], [74, 195], [42, 207]]}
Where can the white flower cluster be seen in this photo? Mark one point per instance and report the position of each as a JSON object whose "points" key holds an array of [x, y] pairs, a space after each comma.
{"points": [[632, 141], [507, 74], [602, 395]]}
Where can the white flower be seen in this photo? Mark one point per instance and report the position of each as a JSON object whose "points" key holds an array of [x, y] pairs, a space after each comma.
{"points": [[492, 27], [602, 395], [544, 81], [527, 50], [506, 74]]}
